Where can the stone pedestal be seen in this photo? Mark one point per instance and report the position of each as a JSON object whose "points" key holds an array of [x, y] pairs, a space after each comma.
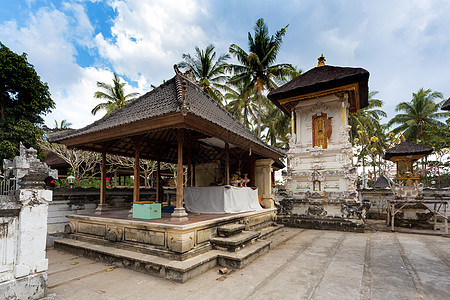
{"points": [[264, 181], [102, 209], [179, 214]]}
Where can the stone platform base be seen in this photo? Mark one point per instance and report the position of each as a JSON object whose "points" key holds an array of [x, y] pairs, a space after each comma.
{"points": [[174, 250], [29, 287], [319, 211], [324, 223], [180, 271], [161, 237]]}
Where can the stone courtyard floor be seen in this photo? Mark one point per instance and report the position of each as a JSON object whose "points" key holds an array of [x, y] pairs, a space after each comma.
{"points": [[302, 264]]}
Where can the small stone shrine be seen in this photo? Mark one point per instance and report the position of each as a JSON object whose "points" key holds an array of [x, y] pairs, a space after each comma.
{"points": [[321, 178], [408, 206]]}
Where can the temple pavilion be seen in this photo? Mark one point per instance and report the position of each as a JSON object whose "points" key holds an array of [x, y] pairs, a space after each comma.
{"points": [[178, 123]]}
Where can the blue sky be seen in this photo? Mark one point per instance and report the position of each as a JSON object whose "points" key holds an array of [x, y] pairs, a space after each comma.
{"points": [[404, 44]]}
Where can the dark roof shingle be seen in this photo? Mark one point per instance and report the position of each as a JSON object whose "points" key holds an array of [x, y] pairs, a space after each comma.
{"points": [[446, 105], [166, 99], [407, 148], [323, 78]]}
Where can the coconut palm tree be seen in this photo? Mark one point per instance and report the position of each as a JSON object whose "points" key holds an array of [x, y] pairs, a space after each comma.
{"points": [[209, 73], [241, 102], [62, 125], [369, 117], [113, 94], [275, 124], [421, 112], [258, 66]]}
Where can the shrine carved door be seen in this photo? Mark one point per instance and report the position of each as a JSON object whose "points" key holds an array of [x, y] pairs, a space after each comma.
{"points": [[319, 125]]}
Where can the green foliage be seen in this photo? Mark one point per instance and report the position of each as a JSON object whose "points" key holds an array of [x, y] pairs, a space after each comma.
{"points": [[209, 73], [24, 98], [114, 95], [257, 67], [241, 100], [88, 182], [275, 125], [417, 115], [62, 125]]}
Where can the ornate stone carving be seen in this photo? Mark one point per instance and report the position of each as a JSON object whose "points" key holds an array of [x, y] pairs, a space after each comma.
{"points": [[315, 210]]}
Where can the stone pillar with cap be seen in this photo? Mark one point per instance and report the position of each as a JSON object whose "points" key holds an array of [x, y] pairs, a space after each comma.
{"points": [[264, 181], [28, 272]]}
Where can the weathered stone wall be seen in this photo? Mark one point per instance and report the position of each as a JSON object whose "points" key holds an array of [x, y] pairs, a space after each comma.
{"points": [[23, 228], [378, 201]]}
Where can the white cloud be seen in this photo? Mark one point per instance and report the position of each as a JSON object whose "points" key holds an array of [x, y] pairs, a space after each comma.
{"points": [[49, 38], [148, 37], [338, 45]]}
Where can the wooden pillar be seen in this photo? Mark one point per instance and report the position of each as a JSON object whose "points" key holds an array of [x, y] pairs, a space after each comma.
{"points": [[103, 177], [189, 169], [193, 174], [179, 213], [180, 139], [227, 164], [158, 181], [137, 169], [102, 207]]}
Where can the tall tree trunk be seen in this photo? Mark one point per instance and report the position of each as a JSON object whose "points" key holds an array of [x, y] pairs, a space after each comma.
{"points": [[2, 109], [259, 114]]}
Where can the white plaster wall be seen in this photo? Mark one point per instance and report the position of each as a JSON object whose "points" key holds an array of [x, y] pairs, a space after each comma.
{"points": [[32, 234], [8, 229], [336, 159]]}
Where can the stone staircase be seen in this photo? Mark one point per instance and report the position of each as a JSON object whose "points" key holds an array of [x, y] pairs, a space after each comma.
{"points": [[233, 247]]}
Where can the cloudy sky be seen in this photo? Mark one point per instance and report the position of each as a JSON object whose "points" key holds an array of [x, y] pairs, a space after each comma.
{"points": [[404, 44]]}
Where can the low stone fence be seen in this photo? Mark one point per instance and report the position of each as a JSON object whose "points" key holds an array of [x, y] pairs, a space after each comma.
{"points": [[68, 201], [378, 200]]}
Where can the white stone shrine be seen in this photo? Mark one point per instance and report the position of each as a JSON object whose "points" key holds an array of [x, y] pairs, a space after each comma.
{"points": [[321, 178]]}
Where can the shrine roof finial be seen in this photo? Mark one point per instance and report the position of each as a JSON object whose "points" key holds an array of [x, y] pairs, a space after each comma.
{"points": [[321, 61]]}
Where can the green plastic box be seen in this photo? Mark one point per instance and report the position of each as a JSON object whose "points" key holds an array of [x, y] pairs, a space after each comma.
{"points": [[146, 211]]}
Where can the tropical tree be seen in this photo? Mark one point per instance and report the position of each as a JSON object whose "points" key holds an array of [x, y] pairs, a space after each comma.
{"points": [[418, 114], [369, 136], [209, 73], [241, 102], [62, 125], [369, 117], [258, 66], [24, 98], [275, 125], [113, 94]]}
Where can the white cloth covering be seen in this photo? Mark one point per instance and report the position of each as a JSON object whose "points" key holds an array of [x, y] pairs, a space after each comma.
{"points": [[218, 199]]}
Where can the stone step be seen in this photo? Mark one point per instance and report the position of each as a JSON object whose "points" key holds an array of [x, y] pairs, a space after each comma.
{"points": [[180, 271], [175, 270], [235, 242], [230, 229], [270, 231], [143, 248], [239, 259]]}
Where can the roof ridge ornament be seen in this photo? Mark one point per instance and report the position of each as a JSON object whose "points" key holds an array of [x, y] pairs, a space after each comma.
{"points": [[321, 61], [184, 107], [189, 75]]}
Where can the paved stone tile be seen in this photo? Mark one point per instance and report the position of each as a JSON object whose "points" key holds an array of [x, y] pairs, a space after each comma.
{"points": [[305, 264]]}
